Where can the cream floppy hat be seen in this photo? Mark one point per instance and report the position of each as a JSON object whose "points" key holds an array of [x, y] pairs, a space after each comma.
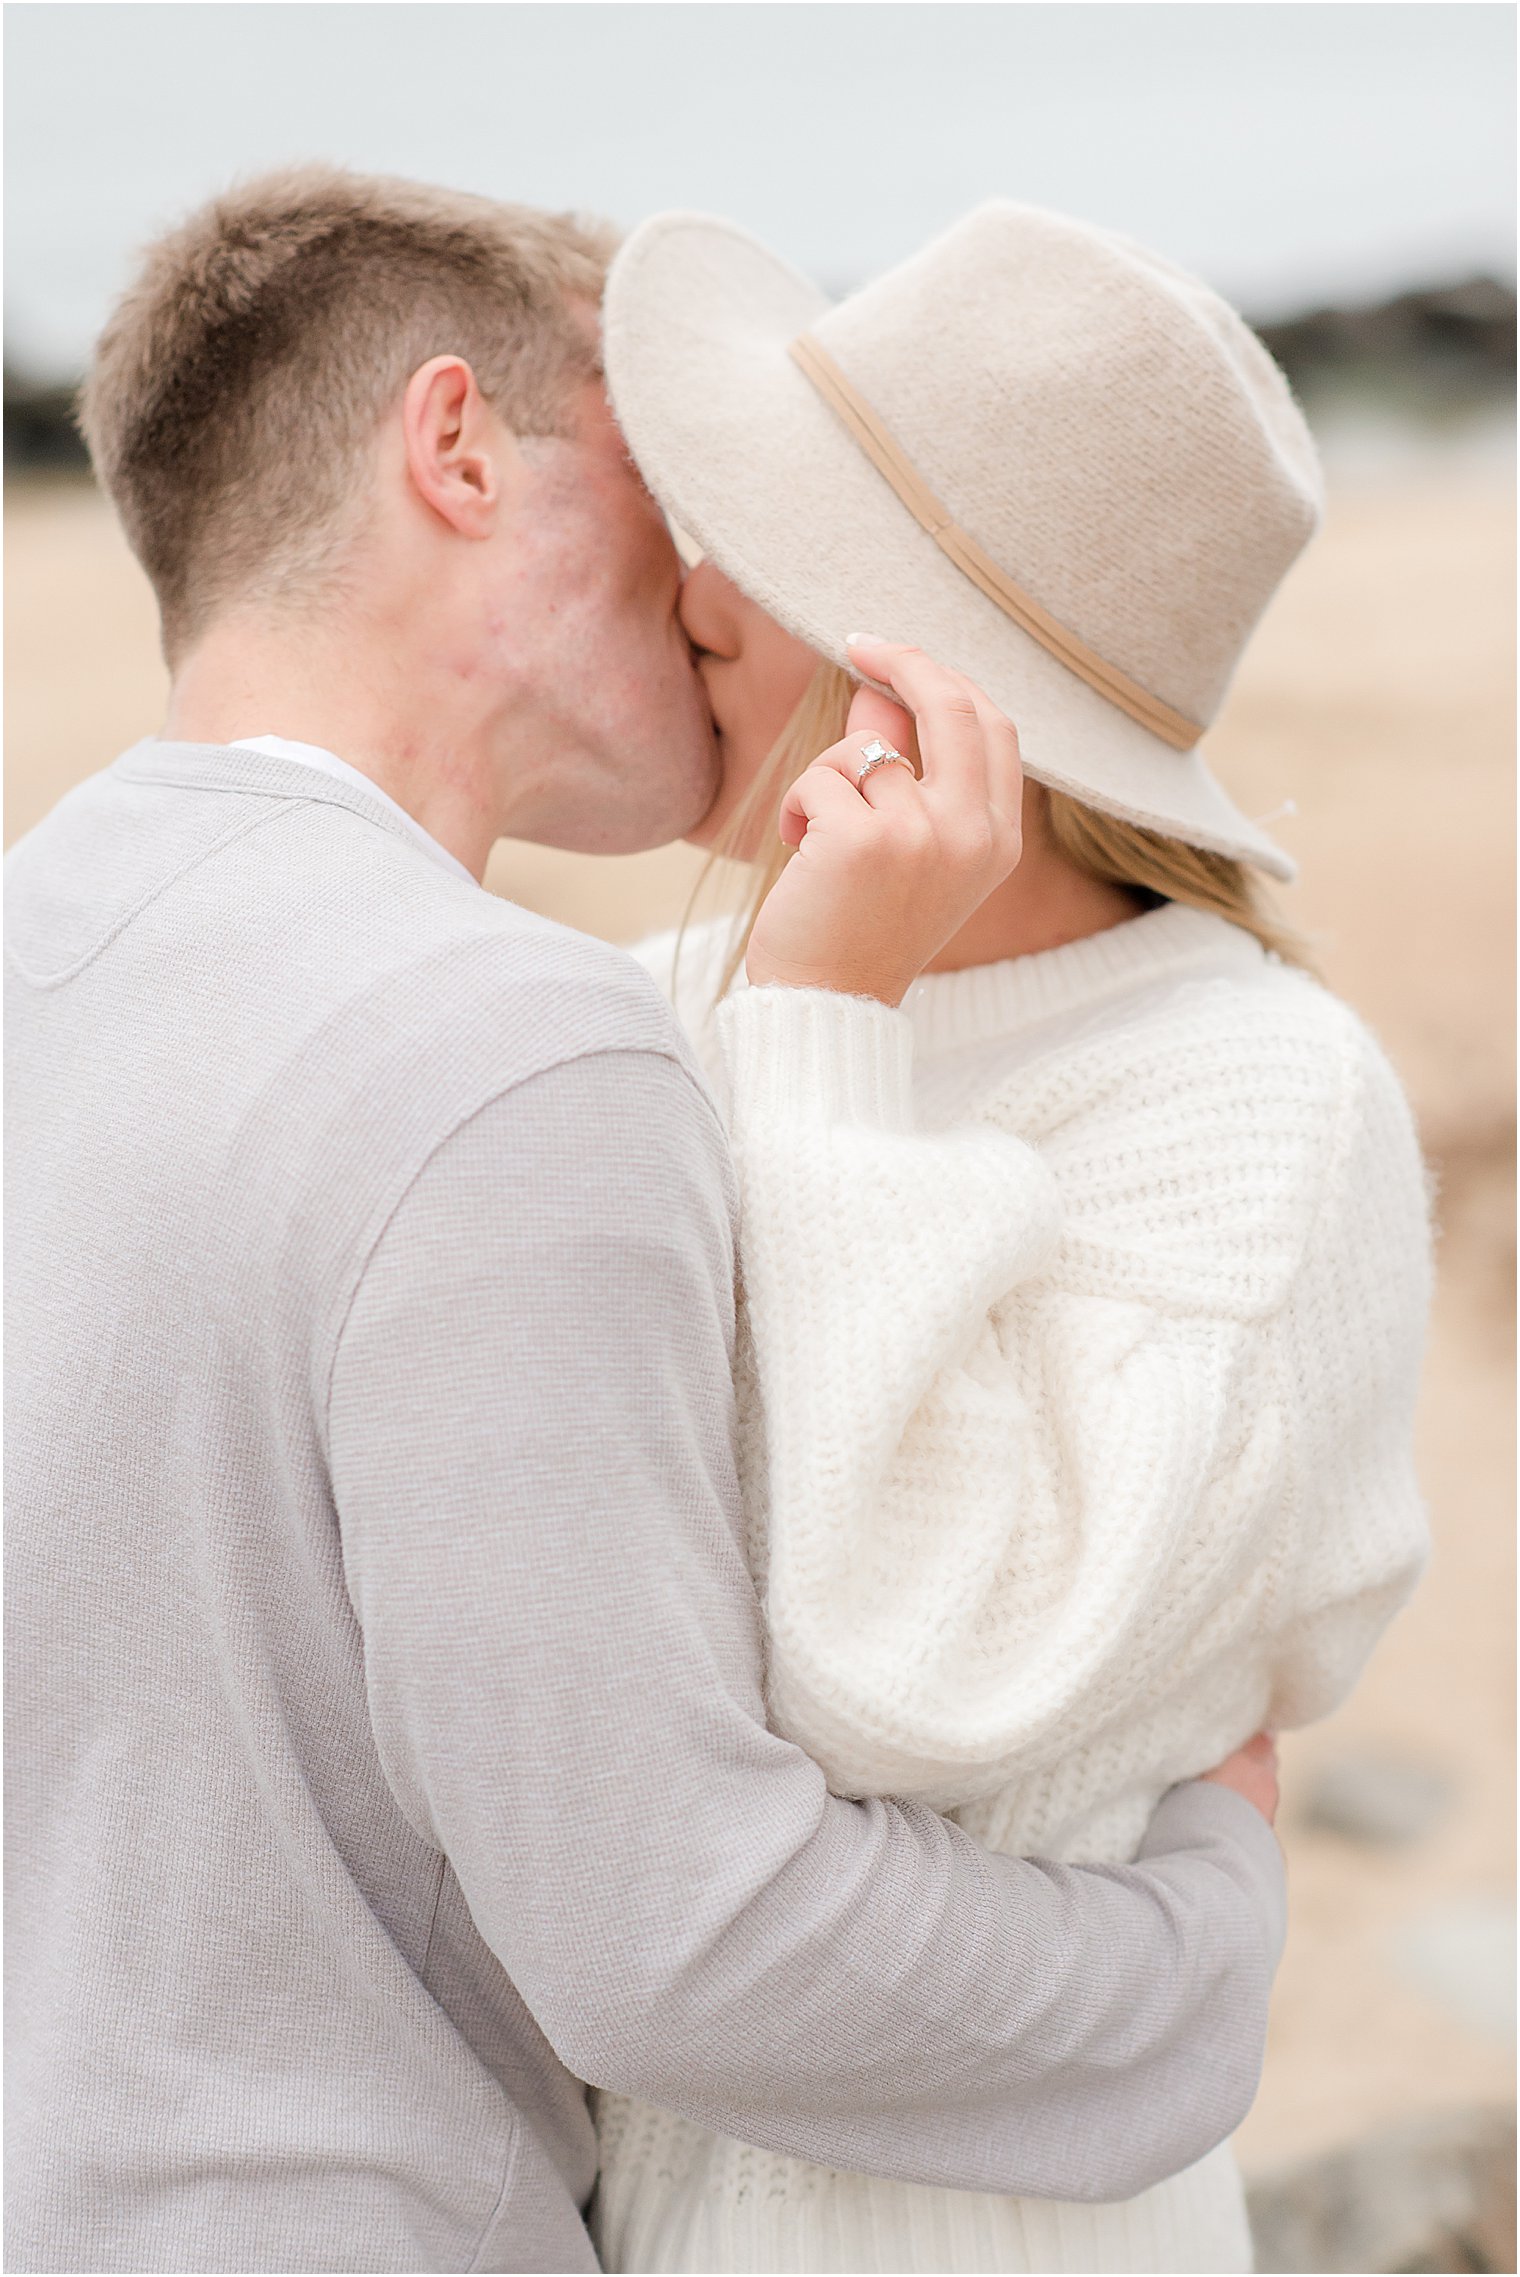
{"points": [[1036, 450]]}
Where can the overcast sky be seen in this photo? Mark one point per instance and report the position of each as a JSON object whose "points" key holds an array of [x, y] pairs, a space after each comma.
{"points": [[1289, 152]]}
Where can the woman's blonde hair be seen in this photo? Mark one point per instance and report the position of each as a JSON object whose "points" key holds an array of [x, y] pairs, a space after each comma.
{"points": [[1119, 853]]}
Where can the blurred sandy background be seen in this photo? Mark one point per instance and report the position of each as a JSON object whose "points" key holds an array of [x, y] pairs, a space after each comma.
{"points": [[1378, 697]]}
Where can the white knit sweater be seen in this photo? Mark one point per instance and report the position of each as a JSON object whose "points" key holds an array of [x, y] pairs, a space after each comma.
{"points": [[1083, 1304]]}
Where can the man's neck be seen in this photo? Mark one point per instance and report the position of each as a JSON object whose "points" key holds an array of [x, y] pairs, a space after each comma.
{"points": [[411, 737]]}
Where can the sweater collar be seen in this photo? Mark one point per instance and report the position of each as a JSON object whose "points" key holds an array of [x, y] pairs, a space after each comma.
{"points": [[953, 1010]]}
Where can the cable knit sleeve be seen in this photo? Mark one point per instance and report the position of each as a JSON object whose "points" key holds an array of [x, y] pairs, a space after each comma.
{"points": [[1082, 1430]]}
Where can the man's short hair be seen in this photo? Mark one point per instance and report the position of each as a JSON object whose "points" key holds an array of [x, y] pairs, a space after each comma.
{"points": [[237, 389]]}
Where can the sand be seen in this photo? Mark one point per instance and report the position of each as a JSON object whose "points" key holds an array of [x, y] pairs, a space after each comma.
{"points": [[1378, 695]]}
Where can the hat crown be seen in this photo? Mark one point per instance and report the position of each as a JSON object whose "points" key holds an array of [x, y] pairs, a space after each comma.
{"points": [[1103, 425]]}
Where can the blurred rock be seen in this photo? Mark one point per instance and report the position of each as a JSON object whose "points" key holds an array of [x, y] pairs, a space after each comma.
{"points": [[1443, 344], [40, 431], [1436, 2193], [1462, 1954], [1377, 1798]]}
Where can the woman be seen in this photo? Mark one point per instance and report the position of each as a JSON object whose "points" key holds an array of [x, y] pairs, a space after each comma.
{"points": [[1084, 1277]]}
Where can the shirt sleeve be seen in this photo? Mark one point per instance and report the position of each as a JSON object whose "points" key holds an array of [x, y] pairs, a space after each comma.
{"points": [[531, 1441]]}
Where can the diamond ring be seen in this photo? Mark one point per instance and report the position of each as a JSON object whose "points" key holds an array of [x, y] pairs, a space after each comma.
{"points": [[879, 754]]}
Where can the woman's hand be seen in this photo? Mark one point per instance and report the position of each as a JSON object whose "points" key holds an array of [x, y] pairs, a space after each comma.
{"points": [[887, 870], [1252, 1772]]}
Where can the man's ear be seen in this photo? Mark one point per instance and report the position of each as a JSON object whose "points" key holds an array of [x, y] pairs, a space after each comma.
{"points": [[459, 455]]}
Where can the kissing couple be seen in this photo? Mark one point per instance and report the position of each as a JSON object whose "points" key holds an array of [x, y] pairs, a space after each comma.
{"points": [[646, 1636]]}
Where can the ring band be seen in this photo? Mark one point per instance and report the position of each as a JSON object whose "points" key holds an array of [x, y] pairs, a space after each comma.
{"points": [[879, 754]]}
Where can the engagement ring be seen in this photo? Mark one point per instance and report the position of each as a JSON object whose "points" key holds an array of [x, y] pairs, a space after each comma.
{"points": [[879, 754]]}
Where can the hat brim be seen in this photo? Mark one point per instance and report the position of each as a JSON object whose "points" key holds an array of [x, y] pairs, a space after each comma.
{"points": [[748, 459]]}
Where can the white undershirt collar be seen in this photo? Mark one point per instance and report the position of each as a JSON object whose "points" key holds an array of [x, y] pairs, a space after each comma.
{"points": [[328, 763]]}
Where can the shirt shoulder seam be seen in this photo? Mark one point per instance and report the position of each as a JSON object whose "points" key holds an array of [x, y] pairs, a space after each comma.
{"points": [[240, 829]]}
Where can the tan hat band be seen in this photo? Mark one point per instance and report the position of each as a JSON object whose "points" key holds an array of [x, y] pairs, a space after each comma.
{"points": [[889, 460]]}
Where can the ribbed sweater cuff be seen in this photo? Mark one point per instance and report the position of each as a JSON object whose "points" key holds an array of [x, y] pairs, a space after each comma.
{"points": [[805, 1054]]}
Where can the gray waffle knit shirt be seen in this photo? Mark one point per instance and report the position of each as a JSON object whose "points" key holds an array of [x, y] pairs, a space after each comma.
{"points": [[386, 1744]]}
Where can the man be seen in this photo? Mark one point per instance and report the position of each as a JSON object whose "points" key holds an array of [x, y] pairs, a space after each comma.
{"points": [[387, 1747]]}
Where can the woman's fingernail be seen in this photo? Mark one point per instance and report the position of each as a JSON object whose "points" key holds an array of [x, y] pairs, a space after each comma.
{"points": [[864, 640]]}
